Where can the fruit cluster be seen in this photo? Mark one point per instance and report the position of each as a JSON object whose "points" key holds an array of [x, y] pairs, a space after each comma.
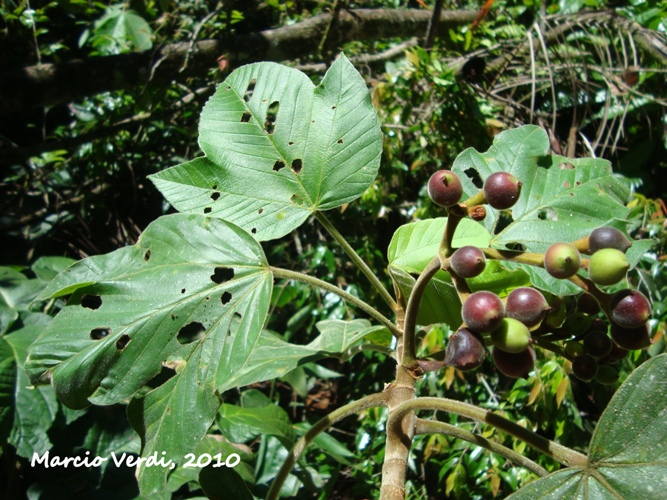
{"points": [[525, 317]]}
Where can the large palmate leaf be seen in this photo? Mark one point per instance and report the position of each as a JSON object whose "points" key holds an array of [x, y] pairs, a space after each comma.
{"points": [[194, 290], [279, 148], [414, 245], [628, 451]]}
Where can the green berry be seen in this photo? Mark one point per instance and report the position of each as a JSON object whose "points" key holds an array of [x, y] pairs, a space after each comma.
{"points": [[607, 266], [511, 336]]}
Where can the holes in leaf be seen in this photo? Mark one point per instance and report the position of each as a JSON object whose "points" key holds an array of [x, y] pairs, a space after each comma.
{"points": [[222, 274], [296, 165], [547, 214], [340, 141], [215, 196], [250, 90], [99, 333], [147, 255], [333, 107], [253, 230], [245, 118], [473, 175], [208, 210], [226, 297], [91, 301], [504, 220], [173, 317], [122, 342], [278, 166], [237, 315], [271, 115], [290, 143], [182, 290], [190, 332], [515, 246], [260, 210], [214, 186], [296, 199]]}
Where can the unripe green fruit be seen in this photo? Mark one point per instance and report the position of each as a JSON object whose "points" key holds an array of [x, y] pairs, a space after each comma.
{"points": [[527, 305], [607, 237], [465, 350], [515, 365], [630, 309], [483, 311], [502, 190], [608, 266], [577, 324], [584, 367], [574, 348], [511, 336], [445, 188], [468, 262], [562, 260], [607, 375]]}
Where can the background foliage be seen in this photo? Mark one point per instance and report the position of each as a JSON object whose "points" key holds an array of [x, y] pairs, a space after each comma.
{"points": [[75, 184]]}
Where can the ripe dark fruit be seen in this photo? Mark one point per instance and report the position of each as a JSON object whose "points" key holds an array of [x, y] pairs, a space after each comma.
{"points": [[562, 260], [631, 338], [465, 350], [468, 262], [608, 266], [515, 365], [445, 188], [511, 336], [597, 344], [527, 305], [607, 237], [584, 367], [607, 375], [630, 309], [587, 304], [483, 311], [502, 190], [617, 353]]}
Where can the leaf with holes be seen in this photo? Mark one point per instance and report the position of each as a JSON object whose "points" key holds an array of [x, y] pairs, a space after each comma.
{"points": [[193, 291], [628, 451], [279, 148], [562, 199]]}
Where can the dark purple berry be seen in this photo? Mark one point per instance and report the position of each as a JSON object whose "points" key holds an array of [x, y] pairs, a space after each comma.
{"points": [[607, 237], [445, 188], [483, 311], [468, 262], [465, 350], [515, 365], [527, 305], [630, 309], [502, 190]]}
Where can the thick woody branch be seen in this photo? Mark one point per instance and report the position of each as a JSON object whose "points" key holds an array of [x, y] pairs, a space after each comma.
{"points": [[48, 84]]}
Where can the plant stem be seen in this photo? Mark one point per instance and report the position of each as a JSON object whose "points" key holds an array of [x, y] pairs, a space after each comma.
{"points": [[373, 400], [311, 280], [409, 356], [434, 427], [358, 261], [564, 455], [531, 258]]}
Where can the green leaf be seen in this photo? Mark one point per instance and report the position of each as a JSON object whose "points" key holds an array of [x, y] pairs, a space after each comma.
{"points": [[120, 27], [628, 451], [414, 245], [183, 282], [279, 148], [221, 483], [29, 411], [273, 357], [241, 424], [47, 268]]}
